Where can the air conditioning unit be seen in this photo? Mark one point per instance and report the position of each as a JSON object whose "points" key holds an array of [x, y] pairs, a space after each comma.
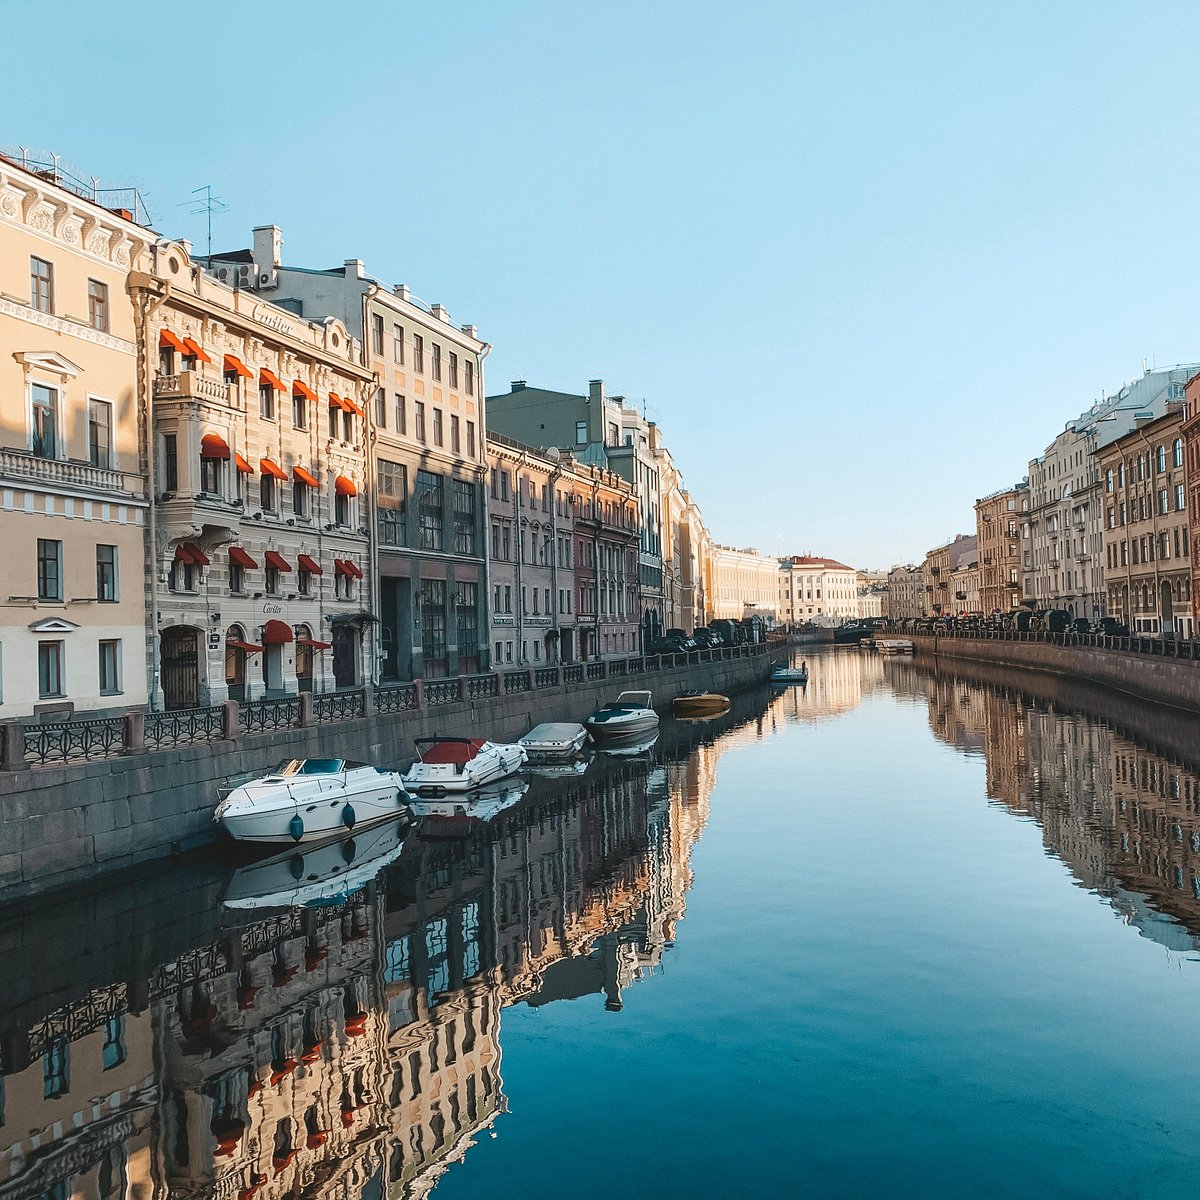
{"points": [[244, 277]]}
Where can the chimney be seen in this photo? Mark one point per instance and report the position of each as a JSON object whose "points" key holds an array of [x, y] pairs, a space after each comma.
{"points": [[470, 331], [268, 247], [518, 385], [401, 290], [354, 268], [440, 313], [596, 390]]}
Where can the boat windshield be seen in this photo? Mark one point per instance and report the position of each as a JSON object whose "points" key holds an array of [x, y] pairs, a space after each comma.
{"points": [[311, 766]]}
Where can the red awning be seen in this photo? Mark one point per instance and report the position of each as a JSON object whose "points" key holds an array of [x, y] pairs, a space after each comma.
{"points": [[309, 564], [350, 406], [239, 556], [233, 363], [344, 486], [314, 644], [195, 350], [300, 475], [265, 376], [243, 465], [276, 633], [273, 469], [302, 389], [276, 560], [343, 566], [213, 445], [189, 552], [167, 338], [238, 644], [335, 401]]}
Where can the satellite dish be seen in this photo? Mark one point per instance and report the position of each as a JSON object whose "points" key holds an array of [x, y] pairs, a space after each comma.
{"points": [[554, 454]]}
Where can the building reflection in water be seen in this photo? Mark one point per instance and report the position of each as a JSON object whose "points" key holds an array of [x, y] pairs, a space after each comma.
{"points": [[351, 1048], [1124, 817]]}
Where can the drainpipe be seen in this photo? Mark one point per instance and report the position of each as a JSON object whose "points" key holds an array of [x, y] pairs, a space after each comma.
{"points": [[481, 616]]}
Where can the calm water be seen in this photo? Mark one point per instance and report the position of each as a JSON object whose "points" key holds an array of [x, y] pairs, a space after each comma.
{"points": [[895, 934]]}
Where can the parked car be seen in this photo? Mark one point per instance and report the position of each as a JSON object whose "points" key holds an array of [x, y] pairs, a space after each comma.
{"points": [[1081, 625], [1110, 627], [1050, 620]]}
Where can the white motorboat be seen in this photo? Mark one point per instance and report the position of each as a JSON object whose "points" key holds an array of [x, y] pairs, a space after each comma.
{"points": [[894, 645], [554, 741], [782, 674], [629, 713], [456, 816], [318, 875], [310, 800], [457, 764]]}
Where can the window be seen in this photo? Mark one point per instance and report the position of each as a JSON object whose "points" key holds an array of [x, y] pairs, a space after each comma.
{"points": [[347, 426], [106, 572], [49, 569], [470, 366], [333, 421], [437, 426], [44, 421], [266, 401], [455, 439], [392, 496], [41, 285], [466, 610], [1160, 459], [237, 577], [433, 619], [50, 669], [99, 433], [581, 433], [1180, 497], [110, 668], [170, 463], [1163, 500], [271, 575], [508, 598], [464, 517], [299, 411], [401, 415], [341, 509], [437, 361], [419, 420], [212, 471], [418, 352], [1177, 453], [267, 494], [471, 439], [300, 499], [1108, 480], [56, 1069], [376, 334], [453, 370], [495, 540], [381, 408], [98, 305], [430, 508], [398, 343]]}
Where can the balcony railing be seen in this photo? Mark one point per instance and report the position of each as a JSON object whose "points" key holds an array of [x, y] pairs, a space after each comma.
{"points": [[191, 385], [21, 465]]}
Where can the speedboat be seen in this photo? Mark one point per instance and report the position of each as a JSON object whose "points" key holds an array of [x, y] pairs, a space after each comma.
{"points": [[700, 704], [318, 875], [310, 800], [554, 741], [629, 713], [457, 816], [458, 764], [784, 674], [894, 646]]}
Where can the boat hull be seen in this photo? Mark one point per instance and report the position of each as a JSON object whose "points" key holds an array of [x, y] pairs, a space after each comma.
{"points": [[441, 779], [637, 722], [711, 704]]}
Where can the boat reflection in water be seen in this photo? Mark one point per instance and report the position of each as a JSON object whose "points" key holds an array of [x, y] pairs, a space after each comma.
{"points": [[629, 745], [348, 1042], [452, 816]]}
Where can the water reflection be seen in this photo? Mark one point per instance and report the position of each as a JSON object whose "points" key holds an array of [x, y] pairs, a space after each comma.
{"points": [[348, 1042]]}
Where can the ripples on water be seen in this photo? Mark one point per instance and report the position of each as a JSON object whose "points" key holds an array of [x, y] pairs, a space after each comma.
{"points": [[884, 985]]}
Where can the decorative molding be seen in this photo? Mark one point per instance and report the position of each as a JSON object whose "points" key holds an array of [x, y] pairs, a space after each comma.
{"points": [[53, 625], [86, 333]]}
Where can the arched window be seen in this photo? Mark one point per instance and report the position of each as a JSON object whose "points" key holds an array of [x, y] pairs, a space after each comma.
{"points": [[1177, 453]]}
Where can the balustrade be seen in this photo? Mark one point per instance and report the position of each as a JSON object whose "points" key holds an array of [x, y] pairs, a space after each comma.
{"points": [[183, 727]]}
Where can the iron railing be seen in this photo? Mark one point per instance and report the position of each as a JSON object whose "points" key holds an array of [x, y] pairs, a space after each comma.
{"points": [[479, 686], [545, 677], [442, 691], [184, 727], [258, 716], [516, 681], [65, 741], [339, 706]]}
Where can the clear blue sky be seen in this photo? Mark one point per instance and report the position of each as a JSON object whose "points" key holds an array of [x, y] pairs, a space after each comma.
{"points": [[862, 260]]}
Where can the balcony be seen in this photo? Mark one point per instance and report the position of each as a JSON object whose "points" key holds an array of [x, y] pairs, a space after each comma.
{"points": [[23, 467], [191, 385]]}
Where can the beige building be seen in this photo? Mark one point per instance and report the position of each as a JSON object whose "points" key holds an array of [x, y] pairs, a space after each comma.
{"points": [[259, 528], [998, 534], [1147, 555], [747, 584], [872, 594], [940, 598], [964, 576], [819, 591], [73, 499], [906, 592], [697, 565]]}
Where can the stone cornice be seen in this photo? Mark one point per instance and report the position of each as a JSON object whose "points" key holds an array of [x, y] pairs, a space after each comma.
{"points": [[13, 308]]}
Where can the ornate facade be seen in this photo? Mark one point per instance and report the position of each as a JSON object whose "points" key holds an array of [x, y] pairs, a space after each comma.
{"points": [[998, 531]]}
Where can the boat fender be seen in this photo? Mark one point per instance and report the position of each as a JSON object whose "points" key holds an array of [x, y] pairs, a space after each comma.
{"points": [[348, 816], [349, 850], [296, 827], [296, 866]]}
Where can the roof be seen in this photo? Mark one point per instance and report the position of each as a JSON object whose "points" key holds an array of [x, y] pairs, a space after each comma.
{"points": [[805, 560]]}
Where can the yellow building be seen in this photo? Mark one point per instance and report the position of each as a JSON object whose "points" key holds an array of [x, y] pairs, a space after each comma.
{"points": [[820, 591], [998, 530], [72, 496], [747, 584]]}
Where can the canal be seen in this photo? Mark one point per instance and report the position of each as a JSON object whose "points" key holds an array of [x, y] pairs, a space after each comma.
{"points": [[903, 932]]}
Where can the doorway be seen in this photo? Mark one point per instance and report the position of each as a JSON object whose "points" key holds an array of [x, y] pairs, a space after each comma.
{"points": [[180, 661]]}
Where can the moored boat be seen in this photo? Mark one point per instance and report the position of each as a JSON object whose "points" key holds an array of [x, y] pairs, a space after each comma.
{"points": [[554, 741], [894, 646], [459, 764], [629, 713], [785, 674], [310, 800], [700, 703]]}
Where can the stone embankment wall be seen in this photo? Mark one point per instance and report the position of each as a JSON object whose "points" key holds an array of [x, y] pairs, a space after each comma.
{"points": [[1162, 680], [61, 825]]}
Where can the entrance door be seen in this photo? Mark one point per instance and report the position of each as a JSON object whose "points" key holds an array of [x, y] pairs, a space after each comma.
{"points": [[180, 662], [345, 655], [1166, 610], [235, 665], [304, 664]]}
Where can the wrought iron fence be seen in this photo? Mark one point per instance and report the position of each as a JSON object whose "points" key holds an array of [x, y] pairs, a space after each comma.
{"points": [[596, 669], [479, 686], [516, 681], [339, 706], [184, 727], [397, 698], [66, 741], [260, 715], [546, 677], [618, 666], [635, 666], [573, 674], [442, 691]]}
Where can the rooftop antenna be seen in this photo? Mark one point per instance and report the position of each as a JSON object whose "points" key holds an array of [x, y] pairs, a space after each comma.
{"points": [[205, 202]]}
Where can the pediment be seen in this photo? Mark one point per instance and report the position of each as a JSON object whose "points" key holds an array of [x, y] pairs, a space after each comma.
{"points": [[53, 625], [48, 360]]}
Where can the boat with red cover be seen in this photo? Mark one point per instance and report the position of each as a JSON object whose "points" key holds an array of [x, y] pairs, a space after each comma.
{"points": [[458, 764]]}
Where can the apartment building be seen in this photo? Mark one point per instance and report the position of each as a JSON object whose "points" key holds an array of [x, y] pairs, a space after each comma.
{"points": [[935, 572], [427, 465], [1190, 429], [964, 575], [73, 500], [906, 592], [260, 550], [1147, 539], [815, 590], [998, 535], [747, 584]]}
